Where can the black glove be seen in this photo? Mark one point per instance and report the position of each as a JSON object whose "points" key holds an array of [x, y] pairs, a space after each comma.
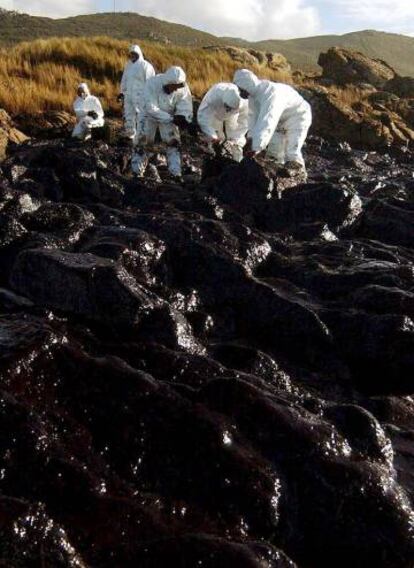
{"points": [[120, 98], [181, 121], [192, 129], [93, 114]]}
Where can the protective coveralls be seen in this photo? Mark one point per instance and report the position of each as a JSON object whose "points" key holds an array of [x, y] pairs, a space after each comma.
{"points": [[223, 116], [279, 118], [134, 78], [161, 111], [89, 113]]}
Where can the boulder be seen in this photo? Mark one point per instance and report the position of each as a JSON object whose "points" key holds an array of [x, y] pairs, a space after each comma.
{"points": [[401, 86], [347, 66], [253, 58], [8, 133], [362, 125], [81, 284], [51, 124]]}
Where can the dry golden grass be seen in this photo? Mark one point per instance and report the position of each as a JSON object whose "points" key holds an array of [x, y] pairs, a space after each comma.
{"points": [[43, 74]]}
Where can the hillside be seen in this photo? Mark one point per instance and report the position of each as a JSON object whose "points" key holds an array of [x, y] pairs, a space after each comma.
{"points": [[15, 27], [397, 50]]}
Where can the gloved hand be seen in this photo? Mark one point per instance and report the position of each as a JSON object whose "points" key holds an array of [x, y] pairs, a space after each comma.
{"points": [[120, 98], [192, 129], [181, 121], [93, 114], [248, 152]]}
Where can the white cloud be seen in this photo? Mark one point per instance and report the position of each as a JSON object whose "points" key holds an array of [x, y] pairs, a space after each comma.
{"points": [[382, 14], [251, 19], [50, 8]]}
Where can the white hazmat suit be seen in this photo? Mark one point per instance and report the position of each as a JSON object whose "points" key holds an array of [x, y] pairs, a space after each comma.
{"points": [[279, 117], [160, 110], [223, 115], [83, 106], [134, 78]]}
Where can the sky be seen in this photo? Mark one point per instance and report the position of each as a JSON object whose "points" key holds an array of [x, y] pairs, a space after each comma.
{"points": [[249, 19]]}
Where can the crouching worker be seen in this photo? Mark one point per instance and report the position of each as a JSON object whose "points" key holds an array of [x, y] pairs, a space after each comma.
{"points": [[168, 108], [279, 120], [223, 119], [89, 113]]}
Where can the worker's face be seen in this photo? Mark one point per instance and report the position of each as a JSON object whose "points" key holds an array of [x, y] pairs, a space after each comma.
{"points": [[82, 93], [133, 56], [169, 89], [228, 108], [244, 94]]}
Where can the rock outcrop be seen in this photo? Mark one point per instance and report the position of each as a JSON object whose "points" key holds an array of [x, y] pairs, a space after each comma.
{"points": [[376, 122], [253, 57], [347, 66], [212, 374], [8, 133], [401, 86]]}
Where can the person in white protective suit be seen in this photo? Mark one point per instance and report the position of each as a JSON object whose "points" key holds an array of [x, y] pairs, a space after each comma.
{"points": [[136, 73], [279, 120], [89, 113], [168, 107], [223, 118]]}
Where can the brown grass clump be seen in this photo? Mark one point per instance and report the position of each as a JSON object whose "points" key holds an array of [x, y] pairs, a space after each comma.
{"points": [[43, 74]]}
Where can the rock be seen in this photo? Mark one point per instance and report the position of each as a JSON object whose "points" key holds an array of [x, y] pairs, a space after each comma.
{"points": [[347, 66], [94, 287], [252, 57], [390, 222], [140, 253], [379, 349], [212, 552], [363, 126], [216, 371], [8, 134], [401, 86], [245, 187], [313, 204], [51, 123]]}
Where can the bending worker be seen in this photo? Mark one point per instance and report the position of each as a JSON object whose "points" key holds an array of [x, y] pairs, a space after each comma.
{"points": [[279, 120], [223, 117], [136, 73], [89, 113], [168, 107]]}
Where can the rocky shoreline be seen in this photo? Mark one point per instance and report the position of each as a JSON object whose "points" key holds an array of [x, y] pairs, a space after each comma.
{"points": [[216, 374]]}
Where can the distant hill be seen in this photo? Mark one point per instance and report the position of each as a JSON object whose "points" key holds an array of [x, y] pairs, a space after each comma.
{"points": [[397, 50]]}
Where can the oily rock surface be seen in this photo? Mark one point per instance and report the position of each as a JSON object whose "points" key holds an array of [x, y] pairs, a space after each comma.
{"points": [[218, 373]]}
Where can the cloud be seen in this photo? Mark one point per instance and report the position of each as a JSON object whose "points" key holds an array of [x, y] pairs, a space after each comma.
{"points": [[50, 7], [250, 19], [380, 14]]}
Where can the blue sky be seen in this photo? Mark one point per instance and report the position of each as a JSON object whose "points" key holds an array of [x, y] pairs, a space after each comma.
{"points": [[251, 19]]}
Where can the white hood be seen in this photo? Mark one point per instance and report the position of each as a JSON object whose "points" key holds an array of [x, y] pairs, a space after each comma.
{"points": [[174, 76], [231, 96], [246, 80], [84, 88], [136, 49]]}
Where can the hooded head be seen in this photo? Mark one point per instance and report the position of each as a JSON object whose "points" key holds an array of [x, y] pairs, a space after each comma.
{"points": [[246, 81], [173, 79], [83, 90], [135, 52], [231, 97], [174, 76]]}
